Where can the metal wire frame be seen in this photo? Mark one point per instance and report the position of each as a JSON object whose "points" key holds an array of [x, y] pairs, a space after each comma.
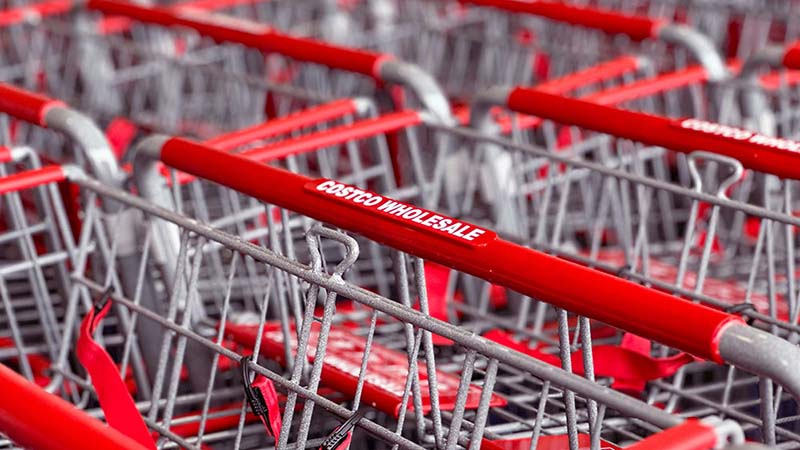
{"points": [[33, 283], [202, 92], [467, 47], [192, 202], [741, 270], [130, 66], [527, 384], [738, 28], [38, 283], [462, 49], [761, 189], [40, 64], [630, 240], [366, 165]]}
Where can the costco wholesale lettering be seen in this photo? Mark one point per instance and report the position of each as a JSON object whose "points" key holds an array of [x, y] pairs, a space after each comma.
{"points": [[739, 134], [418, 217]]}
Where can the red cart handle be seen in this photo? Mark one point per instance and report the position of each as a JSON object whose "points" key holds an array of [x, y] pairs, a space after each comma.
{"points": [[637, 28], [755, 151], [274, 127], [690, 435], [54, 114], [36, 419], [611, 22], [595, 74], [690, 327], [250, 34], [310, 142], [647, 87], [380, 66], [34, 11], [25, 105], [31, 179], [791, 57], [457, 244]]}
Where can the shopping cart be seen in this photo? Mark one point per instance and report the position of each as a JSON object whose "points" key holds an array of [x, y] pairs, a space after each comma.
{"points": [[739, 29], [726, 290], [498, 57], [164, 80], [411, 115], [185, 270], [141, 82], [487, 320], [149, 83], [721, 254], [448, 407], [155, 64]]}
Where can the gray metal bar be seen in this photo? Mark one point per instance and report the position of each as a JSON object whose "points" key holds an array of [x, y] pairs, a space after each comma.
{"points": [[463, 337]]}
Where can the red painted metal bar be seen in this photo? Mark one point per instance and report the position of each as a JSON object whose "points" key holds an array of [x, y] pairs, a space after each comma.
{"points": [[251, 34], [766, 154], [38, 420], [465, 247], [25, 105], [636, 27], [31, 178]]}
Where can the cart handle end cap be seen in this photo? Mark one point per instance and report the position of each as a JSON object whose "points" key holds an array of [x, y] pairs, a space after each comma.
{"points": [[421, 83], [482, 104], [697, 43], [763, 354], [89, 137]]}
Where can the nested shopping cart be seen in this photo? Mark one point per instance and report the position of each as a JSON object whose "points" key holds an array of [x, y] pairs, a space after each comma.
{"points": [[131, 81], [146, 79], [166, 278], [720, 252], [129, 65], [464, 45], [739, 29], [616, 229], [335, 342], [149, 291], [177, 81], [151, 78]]}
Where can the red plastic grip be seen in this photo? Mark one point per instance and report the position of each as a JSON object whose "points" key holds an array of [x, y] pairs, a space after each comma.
{"points": [[655, 315], [213, 5], [307, 117], [582, 78], [791, 58], [649, 86], [312, 142], [250, 34], [690, 435], [771, 155], [13, 16], [31, 178], [339, 135], [25, 105], [38, 420], [635, 27]]}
